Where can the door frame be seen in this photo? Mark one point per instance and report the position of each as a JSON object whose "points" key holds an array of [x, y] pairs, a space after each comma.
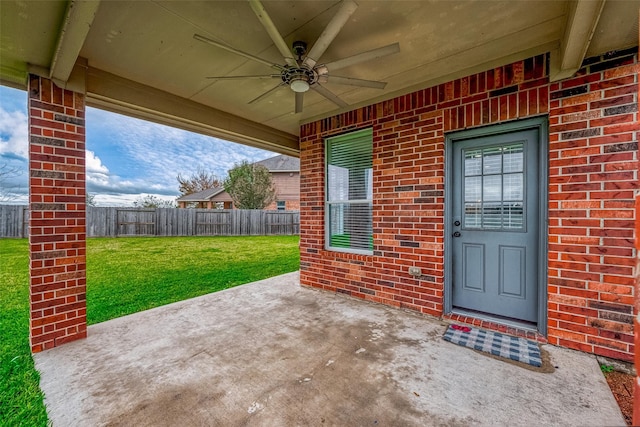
{"points": [[541, 125]]}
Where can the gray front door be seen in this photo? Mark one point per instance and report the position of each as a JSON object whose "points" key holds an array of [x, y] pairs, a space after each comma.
{"points": [[495, 224]]}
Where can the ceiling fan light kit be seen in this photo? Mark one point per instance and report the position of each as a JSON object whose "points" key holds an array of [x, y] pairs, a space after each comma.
{"points": [[299, 85], [305, 72]]}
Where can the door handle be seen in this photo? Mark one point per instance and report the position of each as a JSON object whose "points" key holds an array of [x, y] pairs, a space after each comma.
{"points": [[457, 234]]}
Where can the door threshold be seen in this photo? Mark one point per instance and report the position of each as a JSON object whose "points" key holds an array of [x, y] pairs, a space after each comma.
{"points": [[501, 324]]}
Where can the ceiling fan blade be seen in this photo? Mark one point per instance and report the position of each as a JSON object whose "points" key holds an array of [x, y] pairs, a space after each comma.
{"points": [[364, 56], [329, 95], [267, 93], [330, 32], [350, 81], [268, 25], [265, 76], [299, 100], [236, 51]]}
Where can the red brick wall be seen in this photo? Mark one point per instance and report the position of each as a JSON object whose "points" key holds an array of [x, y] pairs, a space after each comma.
{"points": [[57, 228], [593, 137], [593, 168], [636, 323]]}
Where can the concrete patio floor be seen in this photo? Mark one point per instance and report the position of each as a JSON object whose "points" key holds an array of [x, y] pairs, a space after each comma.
{"points": [[272, 353]]}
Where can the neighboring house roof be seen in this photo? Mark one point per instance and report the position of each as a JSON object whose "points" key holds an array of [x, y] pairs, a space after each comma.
{"points": [[282, 163], [201, 196]]}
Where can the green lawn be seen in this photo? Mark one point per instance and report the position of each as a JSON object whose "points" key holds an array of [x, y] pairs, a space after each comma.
{"points": [[20, 396], [124, 276]]}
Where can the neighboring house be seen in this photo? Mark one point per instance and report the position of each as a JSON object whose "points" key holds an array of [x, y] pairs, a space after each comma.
{"points": [[285, 172], [211, 198]]}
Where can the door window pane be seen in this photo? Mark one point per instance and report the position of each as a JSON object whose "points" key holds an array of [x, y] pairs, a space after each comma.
{"points": [[492, 215], [513, 160], [494, 187], [513, 186], [472, 215], [472, 189], [472, 162], [492, 160], [513, 215]]}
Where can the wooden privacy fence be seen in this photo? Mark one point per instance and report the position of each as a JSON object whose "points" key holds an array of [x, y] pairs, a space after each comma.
{"points": [[114, 222]]}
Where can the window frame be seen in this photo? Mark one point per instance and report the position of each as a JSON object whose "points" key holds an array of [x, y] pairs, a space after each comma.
{"points": [[281, 205], [345, 137]]}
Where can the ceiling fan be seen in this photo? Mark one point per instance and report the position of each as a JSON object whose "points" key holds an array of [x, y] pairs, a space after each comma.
{"points": [[304, 72]]}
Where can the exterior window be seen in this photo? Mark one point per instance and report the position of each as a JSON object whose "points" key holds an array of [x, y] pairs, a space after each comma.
{"points": [[349, 192], [280, 205]]}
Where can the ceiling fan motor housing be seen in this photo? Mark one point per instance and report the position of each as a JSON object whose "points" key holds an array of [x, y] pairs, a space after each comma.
{"points": [[296, 77]]}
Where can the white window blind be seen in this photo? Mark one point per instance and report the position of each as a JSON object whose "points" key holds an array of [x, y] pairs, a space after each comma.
{"points": [[349, 190]]}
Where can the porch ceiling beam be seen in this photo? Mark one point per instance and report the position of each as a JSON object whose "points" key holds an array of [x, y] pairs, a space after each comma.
{"points": [[113, 93], [75, 27], [582, 20]]}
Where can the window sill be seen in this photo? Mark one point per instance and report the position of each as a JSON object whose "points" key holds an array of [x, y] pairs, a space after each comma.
{"points": [[339, 255]]}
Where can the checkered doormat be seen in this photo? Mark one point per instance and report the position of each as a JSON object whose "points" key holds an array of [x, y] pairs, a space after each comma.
{"points": [[514, 348]]}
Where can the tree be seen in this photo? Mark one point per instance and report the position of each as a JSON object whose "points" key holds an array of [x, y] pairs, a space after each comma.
{"points": [[150, 201], [91, 199], [7, 191], [250, 186], [198, 181]]}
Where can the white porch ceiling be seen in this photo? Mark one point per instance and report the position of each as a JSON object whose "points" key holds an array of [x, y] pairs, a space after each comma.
{"points": [[140, 57]]}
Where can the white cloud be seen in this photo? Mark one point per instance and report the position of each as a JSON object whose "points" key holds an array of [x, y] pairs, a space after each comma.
{"points": [[14, 139], [14, 154], [126, 199], [95, 170]]}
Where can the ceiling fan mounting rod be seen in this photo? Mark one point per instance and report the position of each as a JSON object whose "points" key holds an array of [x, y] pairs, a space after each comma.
{"points": [[299, 48]]}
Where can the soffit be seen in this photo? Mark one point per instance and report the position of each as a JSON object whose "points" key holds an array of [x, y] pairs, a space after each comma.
{"points": [[150, 43]]}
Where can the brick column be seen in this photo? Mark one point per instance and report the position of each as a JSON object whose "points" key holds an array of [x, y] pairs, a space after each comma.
{"points": [[57, 226]]}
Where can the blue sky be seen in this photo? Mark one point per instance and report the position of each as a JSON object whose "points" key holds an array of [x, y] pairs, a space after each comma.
{"points": [[127, 158]]}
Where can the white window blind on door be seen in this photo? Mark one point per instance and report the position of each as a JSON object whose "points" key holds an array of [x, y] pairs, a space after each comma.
{"points": [[349, 192]]}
